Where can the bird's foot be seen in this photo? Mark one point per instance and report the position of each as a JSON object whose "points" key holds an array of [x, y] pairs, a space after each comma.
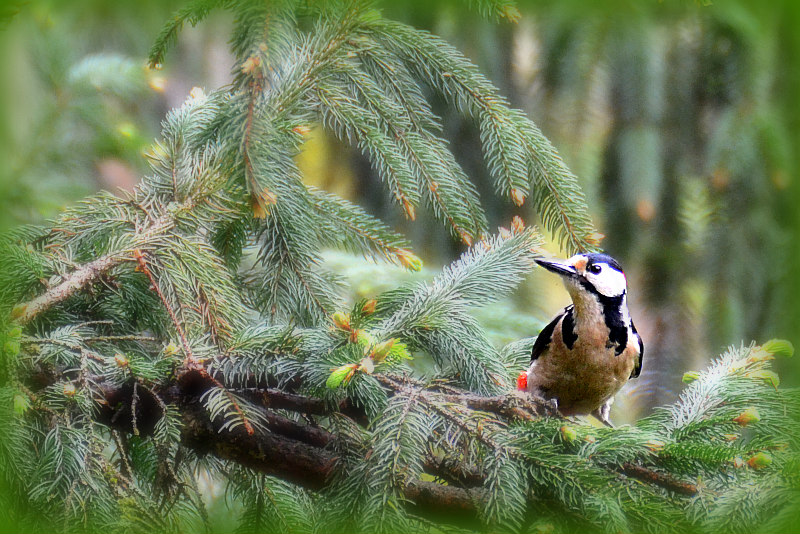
{"points": [[601, 414], [551, 406]]}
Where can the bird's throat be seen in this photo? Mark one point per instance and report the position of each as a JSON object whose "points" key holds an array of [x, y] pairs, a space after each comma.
{"points": [[601, 319]]}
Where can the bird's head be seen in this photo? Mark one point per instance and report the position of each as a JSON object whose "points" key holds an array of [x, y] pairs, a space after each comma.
{"points": [[596, 273]]}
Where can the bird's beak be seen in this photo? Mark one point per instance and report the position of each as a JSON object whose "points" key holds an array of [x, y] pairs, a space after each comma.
{"points": [[558, 267]]}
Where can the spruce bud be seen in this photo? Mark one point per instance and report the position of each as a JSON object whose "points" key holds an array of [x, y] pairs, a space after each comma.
{"points": [[511, 12], [18, 311], [409, 260], [408, 207], [369, 307], [354, 335], [121, 360], [302, 130], [568, 433], [594, 238], [381, 350], [690, 376], [341, 375], [747, 417], [655, 445], [250, 64], [779, 347], [21, 404], [518, 196], [341, 320], [759, 354], [769, 377], [759, 460]]}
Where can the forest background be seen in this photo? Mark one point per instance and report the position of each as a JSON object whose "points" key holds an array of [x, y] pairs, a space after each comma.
{"points": [[678, 118]]}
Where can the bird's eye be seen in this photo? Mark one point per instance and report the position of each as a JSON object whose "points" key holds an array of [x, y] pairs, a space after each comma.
{"points": [[594, 268]]}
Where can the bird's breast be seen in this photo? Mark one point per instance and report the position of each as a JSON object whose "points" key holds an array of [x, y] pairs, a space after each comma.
{"points": [[584, 374]]}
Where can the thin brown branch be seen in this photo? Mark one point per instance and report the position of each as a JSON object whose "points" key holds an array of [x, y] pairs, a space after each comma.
{"points": [[85, 353], [72, 283], [143, 267], [511, 406], [87, 273], [659, 479]]}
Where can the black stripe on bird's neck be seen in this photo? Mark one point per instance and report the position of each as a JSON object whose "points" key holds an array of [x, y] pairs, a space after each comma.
{"points": [[612, 315], [568, 328], [614, 318]]}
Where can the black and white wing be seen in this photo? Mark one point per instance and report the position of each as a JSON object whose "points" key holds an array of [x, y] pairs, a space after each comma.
{"points": [[637, 369], [546, 335]]}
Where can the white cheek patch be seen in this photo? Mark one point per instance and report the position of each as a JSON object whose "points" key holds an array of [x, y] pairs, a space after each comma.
{"points": [[609, 282]]}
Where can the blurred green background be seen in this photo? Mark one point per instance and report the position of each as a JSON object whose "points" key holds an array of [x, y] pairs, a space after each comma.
{"points": [[679, 118]]}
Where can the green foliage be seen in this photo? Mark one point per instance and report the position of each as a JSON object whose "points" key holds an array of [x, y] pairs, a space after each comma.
{"points": [[133, 324]]}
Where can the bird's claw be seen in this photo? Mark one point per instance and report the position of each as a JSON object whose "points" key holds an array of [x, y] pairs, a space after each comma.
{"points": [[551, 406], [601, 414]]}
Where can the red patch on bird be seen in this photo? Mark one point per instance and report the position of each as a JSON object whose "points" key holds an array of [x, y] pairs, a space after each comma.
{"points": [[522, 381]]}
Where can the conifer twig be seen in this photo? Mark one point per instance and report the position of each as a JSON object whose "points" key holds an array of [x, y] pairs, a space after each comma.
{"points": [[87, 273], [140, 259], [659, 479], [73, 282]]}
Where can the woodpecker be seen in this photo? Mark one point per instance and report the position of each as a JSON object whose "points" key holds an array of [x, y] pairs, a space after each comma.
{"points": [[587, 353]]}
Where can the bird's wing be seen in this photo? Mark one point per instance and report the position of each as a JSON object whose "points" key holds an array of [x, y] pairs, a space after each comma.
{"points": [[544, 337], [637, 369]]}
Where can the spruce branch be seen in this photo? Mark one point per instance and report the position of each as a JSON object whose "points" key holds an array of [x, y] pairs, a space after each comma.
{"points": [[142, 266], [75, 281], [106, 425], [513, 430], [83, 275], [311, 466], [450, 193], [349, 226], [519, 157], [193, 14]]}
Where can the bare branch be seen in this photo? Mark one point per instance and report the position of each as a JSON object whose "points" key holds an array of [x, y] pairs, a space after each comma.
{"points": [[75, 281], [88, 273]]}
